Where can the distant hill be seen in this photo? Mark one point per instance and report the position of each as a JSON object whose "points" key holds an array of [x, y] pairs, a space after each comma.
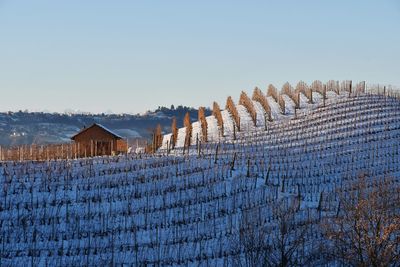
{"points": [[25, 127]]}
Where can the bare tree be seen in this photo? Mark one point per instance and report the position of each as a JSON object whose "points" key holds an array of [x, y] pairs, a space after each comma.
{"points": [[174, 130], [156, 139], [251, 241], [366, 229], [272, 91], [203, 123], [217, 114], [231, 107], [279, 243], [289, 237], [188, 125], [249, 105]]}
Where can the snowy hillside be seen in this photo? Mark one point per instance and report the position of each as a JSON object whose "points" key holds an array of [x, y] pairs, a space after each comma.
{"points": [[191, 210], [246, 123]]}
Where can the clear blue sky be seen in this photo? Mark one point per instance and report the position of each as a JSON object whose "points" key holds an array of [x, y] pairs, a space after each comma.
{"points": [[131, 56]]}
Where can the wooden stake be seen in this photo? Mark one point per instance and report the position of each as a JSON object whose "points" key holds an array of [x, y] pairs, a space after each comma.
{"points": [[91, 148], [95, 148]]}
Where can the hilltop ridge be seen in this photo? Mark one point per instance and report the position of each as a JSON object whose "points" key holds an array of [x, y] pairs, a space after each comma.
{"points": [[24, 127]]}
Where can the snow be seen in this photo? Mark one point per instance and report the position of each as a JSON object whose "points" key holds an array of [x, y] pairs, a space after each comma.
{"points": [[166, 140], [196, 132], [246, 123], [260, 114], [181, 137], [213, 129], [228, 123], [276, 112], [289, 105], [331, 94]]}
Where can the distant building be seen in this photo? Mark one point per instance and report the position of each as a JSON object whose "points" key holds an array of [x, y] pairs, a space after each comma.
{"points": [[97, 140]]}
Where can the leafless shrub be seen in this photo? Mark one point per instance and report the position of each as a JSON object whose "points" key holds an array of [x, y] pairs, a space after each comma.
{"points": [[288, 90], [366, 229], [290, 237], [231, 107], [156, 141], [332, 85], [281, 103], [346, 86], [217, 114], [360, 87], [260, 98], [302, 87], [158, 137], [317, 86], [251, 242], [278, 243], [272, 91], [248, 104], [174, 130], [188, 125], [323, 93], [203, 123]]}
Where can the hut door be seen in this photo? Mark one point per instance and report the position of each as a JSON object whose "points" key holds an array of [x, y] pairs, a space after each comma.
{"points": [[103, 148]]}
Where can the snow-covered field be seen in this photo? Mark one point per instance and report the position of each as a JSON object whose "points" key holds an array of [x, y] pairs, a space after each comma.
{"points": [[186, 210]]}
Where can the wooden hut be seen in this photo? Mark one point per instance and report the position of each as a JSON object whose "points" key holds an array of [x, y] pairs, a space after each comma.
{"points": [[97, 140]]}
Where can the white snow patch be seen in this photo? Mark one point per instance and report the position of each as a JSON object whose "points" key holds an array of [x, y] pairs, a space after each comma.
{"points": [[181, 137], [212, 129]]}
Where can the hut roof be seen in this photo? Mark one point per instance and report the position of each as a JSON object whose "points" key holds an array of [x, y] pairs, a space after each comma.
{"points": [[97, 125]]}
